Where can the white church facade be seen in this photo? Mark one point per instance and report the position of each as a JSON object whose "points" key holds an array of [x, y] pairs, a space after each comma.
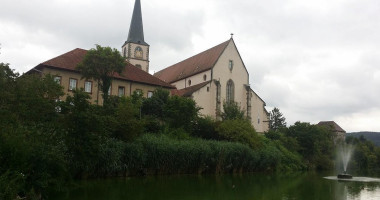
{"points": [[211, 78]]}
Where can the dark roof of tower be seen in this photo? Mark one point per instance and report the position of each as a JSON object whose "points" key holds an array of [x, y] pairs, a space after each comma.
{"points": [[193, 65], [331, 124], [68, 61], [136, 32]]}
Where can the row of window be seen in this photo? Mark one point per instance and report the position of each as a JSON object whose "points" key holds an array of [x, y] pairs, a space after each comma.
{"points": [[88, 87], [204, 79]]}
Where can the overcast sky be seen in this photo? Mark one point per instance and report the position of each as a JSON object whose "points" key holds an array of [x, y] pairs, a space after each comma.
{"points": [[316, 60]]}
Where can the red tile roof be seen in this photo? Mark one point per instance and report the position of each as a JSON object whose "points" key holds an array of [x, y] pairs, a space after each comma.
{"points": [[193, 65], [331, 124], [71, 59], [186, 92]]}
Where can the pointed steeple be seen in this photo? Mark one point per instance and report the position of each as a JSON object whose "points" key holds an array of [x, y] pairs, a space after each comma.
{"points": [[136, 32]]}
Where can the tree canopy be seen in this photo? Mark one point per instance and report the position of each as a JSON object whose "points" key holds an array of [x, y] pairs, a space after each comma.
{"points": [[276, 119], [232, 111], [100, 64]]}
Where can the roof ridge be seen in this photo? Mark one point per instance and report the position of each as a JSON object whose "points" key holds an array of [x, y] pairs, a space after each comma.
{"points": [[69, 61], [202, 61], [194, 56]]}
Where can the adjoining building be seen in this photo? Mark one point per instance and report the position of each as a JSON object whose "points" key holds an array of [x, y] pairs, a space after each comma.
{"points": [[340, 134], [63, 68]]}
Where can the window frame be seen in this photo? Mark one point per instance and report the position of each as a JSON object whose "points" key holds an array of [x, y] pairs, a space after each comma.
{"points": [[60, 79], [149, 92], [110, 90], [139, 91], [230, 91], [90, 92], [76, 84], [118, 91], [230, 65]]}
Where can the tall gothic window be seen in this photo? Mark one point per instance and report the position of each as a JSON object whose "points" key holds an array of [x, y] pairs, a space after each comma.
{"points": [[230, 91]]}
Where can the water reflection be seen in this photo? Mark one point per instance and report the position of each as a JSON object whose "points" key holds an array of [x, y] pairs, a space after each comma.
{"points": [[295, 186]]}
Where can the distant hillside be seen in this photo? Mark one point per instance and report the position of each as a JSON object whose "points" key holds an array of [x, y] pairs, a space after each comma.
{"points": [[372, 136]]}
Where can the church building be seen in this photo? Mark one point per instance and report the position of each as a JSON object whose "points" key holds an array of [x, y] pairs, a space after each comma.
{"points": [[216, 76], [211, 78]]}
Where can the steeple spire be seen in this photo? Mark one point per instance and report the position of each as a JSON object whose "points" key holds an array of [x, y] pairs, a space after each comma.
{"points": [[136, 32]]}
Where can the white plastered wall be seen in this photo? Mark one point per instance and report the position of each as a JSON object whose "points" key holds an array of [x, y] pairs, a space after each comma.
{"points": [[238, 75]]}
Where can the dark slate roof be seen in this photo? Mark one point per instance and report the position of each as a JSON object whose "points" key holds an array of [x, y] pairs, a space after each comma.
{"points": [[136, 32], [193, 65], [187, 92], [331, 124], [71, 59]]}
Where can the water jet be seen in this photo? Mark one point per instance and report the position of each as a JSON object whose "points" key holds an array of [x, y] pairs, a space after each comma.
{"points": [[345, 153]]}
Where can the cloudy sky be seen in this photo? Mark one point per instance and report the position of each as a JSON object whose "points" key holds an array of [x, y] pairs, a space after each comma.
{"points": [[314, 59]]}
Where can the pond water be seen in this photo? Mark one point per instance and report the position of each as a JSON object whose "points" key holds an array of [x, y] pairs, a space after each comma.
{"points": [[296, 186]]}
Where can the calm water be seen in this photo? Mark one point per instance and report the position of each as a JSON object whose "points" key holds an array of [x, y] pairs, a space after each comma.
{"points": [[241, 187]]}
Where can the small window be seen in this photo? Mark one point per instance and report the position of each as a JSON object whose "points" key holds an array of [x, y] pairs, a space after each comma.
{"points": [[138, 91], [57, 79], [189, 82], [204, 77], [109, 90], [230, 65], [88, 86], [72, 84], [121, 91], [138, 66], [208, 88], [150, 94]]}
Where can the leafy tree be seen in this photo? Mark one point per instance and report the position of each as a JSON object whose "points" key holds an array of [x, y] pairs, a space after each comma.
{"points": [[36, 97], [181, 112], [101, 64], [155, 105], [316, 144], [7, 96], [238, 131], [276, 120], [128, 126], [232, 111]]}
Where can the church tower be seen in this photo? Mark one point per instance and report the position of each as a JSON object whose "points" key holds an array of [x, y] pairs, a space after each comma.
{"points": [[135, 49]]}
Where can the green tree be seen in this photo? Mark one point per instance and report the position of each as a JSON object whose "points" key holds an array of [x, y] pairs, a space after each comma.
{"points": [[238, 131], [232, 111], [101, 64], [7, 96], [181, 112], [316, 144], [276, 119], [154, 106]]}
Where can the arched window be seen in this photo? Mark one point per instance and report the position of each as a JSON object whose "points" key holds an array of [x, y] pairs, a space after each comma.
{"points": [[230, 91], [138, 66]]}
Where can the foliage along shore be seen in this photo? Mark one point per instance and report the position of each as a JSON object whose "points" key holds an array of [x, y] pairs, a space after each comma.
{"points": [[45, 143]]}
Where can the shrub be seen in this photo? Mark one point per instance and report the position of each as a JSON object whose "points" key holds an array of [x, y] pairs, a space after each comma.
{"points": [[205, 127], [238, 131]]}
